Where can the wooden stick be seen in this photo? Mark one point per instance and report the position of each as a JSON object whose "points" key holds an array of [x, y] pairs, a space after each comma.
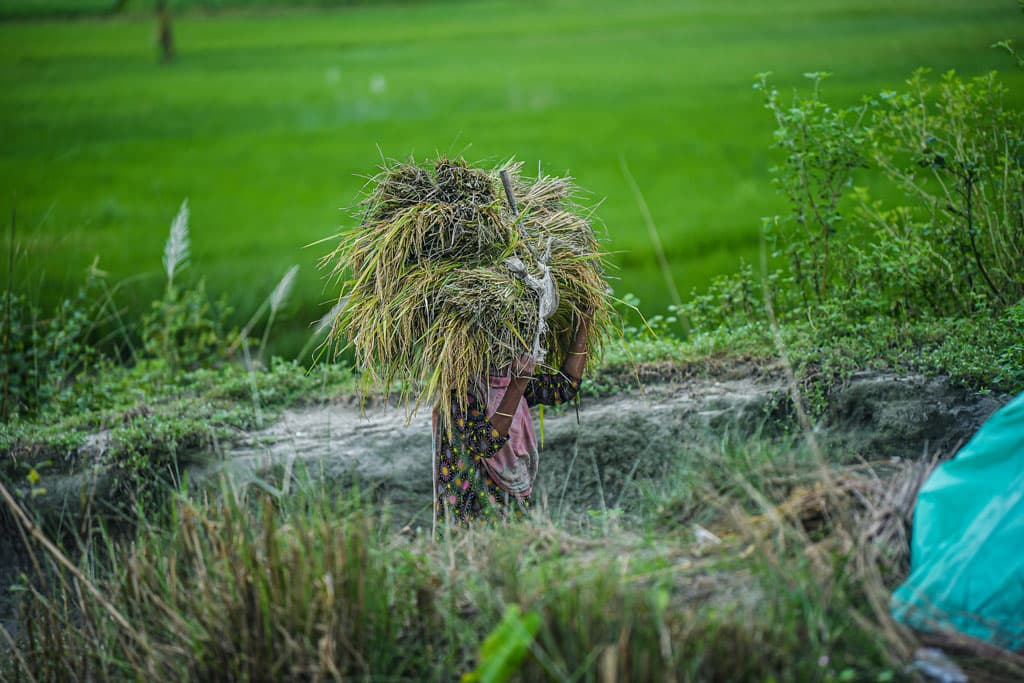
{"points": [[506, 182]]}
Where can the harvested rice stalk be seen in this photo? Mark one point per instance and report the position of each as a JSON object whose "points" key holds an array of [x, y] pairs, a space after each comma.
{"points": [[426, 299]]}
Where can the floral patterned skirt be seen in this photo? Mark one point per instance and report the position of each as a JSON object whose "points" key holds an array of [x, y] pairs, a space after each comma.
{"points": [[466, 494]]}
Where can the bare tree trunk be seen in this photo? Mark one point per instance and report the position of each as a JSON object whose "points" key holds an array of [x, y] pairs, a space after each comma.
{"points": [[166, 36]]}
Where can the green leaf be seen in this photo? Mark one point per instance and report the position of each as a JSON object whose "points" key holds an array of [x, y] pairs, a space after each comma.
{"points": [[541, 415], [503, 650]]}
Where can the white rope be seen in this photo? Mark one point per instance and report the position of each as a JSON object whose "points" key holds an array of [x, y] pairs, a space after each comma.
{"points": [[547, 294]]}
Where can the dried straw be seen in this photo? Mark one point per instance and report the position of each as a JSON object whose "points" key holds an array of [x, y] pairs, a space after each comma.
{"points": [[426, 300]]}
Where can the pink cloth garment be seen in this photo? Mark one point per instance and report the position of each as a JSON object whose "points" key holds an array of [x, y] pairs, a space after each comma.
{"points": [[514, 467]]}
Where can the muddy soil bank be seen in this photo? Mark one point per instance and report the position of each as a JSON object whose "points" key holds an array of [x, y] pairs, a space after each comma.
{"points": [[588, 459], [590, 456]]}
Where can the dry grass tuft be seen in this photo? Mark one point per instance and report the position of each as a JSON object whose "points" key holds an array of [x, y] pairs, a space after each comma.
{"points": [[426, 298]]}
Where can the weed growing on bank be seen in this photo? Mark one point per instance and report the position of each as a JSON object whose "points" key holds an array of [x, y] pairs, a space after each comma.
{"points": [[746, 561], [84, 389], [151, 422]]}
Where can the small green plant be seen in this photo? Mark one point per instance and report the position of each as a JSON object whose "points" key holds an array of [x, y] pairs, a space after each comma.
{"points": [[730, 302], [183, 327], [504, 648], [186, 329], [43, 355]]}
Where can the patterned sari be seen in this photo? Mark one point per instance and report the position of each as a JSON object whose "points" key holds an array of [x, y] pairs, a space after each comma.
{"points": [[479, 475]]}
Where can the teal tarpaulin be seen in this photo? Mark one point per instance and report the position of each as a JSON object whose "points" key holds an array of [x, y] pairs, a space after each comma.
{"points": [[967, 553]]}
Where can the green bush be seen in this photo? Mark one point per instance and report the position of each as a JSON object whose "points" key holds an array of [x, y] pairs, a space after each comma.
{"points": [[177, 395], [822, 147], [951, 242], [43, 356], [53, 362], [187, 329], [957, 155], [905, 280]]}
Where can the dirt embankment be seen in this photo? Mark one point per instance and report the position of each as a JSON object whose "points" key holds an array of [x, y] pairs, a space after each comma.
{"points": [[588, 458], [591, 455], [587, 455]]}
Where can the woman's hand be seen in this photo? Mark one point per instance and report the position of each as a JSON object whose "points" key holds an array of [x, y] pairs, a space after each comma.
{"points": [[524, 366], [522, 373]]}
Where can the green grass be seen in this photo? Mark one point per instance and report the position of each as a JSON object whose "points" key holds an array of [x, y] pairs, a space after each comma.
{"points": [[66, 9], [246, 586], [267, 121], [242, 584]]}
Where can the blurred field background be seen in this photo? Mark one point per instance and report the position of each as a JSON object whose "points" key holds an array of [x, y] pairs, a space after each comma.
{"points": [[273, 113]]}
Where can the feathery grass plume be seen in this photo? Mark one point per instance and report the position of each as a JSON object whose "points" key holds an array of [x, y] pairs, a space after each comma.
{"points": [[425, 296], [277, 298], [283, 288], [327, 320], [176, 249]]}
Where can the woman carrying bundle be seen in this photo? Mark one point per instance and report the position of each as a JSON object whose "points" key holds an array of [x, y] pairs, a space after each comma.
{"points": [[443, 281], [484, 469]]}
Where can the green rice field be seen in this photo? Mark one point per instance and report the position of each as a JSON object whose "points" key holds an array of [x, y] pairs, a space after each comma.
{"points": [[271, 118]]}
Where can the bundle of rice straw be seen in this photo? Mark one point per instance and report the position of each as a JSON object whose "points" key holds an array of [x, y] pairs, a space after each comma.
{"points": [[427, 297]]}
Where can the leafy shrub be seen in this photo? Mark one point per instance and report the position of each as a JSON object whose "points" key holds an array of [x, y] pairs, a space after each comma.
{"points": [[186, 329], [957, 153], [865, 279], [43, 356], [51, 362], [954, 241], [822, 148], [178, 396], [730, 301]]}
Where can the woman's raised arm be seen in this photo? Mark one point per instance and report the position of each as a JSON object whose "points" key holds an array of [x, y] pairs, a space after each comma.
{"points": [[561, 387]]}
